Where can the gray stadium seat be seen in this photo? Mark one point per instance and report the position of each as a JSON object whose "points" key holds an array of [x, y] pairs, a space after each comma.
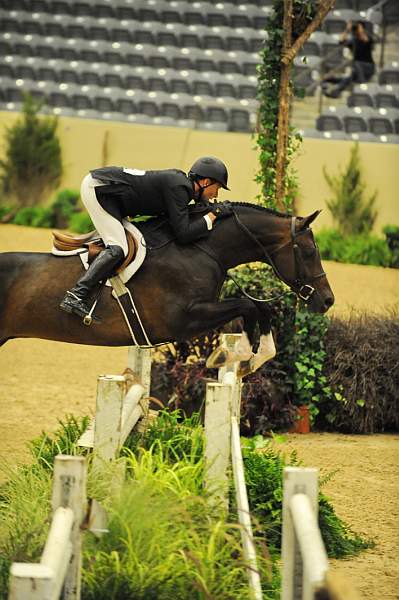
{"points": [[387, 96], [179, 86], [384, 121], [360, 97], [329, 121], [157, 84], [169, 109], [239, 120], [81, 102], [125, 106], [354, 119], [389, 75], [225, 89]]}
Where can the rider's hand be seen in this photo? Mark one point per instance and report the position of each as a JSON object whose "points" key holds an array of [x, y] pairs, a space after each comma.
{"points": [[222, 209]]}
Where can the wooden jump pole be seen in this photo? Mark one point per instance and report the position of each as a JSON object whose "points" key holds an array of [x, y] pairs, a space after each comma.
{"points": [[118, 410]]}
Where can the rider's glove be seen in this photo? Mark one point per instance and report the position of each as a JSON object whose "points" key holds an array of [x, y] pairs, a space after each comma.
{"points": [[222, 209]]}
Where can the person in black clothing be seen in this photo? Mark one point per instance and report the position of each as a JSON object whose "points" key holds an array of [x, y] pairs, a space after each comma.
{"points": [[113, 193], [360, 43]]}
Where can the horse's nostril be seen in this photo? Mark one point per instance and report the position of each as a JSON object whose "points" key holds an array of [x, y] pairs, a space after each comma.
{"points": [[329, 301]]}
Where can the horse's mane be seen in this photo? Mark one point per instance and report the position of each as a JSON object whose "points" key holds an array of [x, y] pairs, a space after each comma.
{"points": [[203, 208], [270, 211]]}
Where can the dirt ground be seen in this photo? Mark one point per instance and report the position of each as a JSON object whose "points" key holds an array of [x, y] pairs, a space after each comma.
{"points": [[42, 381]]}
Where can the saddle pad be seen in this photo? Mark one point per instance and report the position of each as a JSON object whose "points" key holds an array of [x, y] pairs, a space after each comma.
{"points": [[126, 273]]}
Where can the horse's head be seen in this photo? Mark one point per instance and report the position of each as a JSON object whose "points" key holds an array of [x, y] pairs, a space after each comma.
{"points": [[297, 262]]}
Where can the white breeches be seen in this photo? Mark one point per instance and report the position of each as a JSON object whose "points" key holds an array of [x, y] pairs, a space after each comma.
{"points": [[109, 228]]}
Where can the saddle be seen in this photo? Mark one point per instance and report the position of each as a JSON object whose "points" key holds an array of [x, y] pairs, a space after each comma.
{"points": [[67, 242]]}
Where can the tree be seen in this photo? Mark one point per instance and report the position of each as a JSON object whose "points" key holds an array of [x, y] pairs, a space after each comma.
{"points": [[352, 213], [32, 165], [290, 25]]}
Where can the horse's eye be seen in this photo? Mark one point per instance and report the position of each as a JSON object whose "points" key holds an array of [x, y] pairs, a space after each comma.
{"points": [[309, 252]]}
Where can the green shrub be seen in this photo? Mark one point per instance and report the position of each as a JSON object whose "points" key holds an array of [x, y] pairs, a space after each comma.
{"points": [[80, 223], [32, 164], [264, 478], [355, 249], [351, 212], [5, 209], [64, 207], [34, 216], [392, 236]]}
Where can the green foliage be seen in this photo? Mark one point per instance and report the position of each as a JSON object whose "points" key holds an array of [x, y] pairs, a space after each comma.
{"points": [[269, 74], [32, 165], [64, 207], [163, 540], [64, 441], [264, 478], [34, 216], [392, 237], [352, 213], [310, 383], [5, 209], [362, 249], [80, 223]]}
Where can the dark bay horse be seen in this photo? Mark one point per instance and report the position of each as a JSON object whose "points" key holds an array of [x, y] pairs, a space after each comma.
{"points": [[177, 288]]}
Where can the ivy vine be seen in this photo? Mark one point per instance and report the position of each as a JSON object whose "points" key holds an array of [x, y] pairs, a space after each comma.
{"points": [[269, 72]]}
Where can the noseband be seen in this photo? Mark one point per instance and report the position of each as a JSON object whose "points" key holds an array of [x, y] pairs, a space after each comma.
{"points": [[301, 285]]}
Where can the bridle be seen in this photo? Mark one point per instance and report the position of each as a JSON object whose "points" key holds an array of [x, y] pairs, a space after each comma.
{"points": [[301, 285]]}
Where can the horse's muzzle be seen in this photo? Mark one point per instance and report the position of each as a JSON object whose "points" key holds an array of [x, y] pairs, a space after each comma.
{"points": [[320, 303]]}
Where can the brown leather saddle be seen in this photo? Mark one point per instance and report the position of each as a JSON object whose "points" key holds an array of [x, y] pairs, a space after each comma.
{"points": [[92, 241]]}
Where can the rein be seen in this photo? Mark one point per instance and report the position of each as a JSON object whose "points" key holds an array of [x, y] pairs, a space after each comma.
{"points": [[301, 285]]}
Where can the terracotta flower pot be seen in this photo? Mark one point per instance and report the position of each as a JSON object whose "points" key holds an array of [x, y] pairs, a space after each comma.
{"points": [[302, 423]]}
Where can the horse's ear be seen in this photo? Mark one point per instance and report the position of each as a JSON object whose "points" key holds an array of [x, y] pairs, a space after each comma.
{"points": [[306, 221]]}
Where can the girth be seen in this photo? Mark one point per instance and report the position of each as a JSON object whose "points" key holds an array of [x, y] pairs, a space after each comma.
{"points": [[66, 242]]}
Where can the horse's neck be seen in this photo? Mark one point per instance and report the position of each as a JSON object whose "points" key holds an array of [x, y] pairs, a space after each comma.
{"points": [[234, 246]]}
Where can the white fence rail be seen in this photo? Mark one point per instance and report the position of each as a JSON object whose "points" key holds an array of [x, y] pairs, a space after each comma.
{"points": [[304, 557], [222, 435], [58, 573]]}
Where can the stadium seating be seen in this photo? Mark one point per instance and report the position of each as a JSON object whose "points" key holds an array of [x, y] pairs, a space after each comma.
{"points": [[194, 64]]}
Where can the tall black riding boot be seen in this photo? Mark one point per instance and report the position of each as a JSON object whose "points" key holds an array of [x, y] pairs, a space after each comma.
{"points": [[75, 300]]}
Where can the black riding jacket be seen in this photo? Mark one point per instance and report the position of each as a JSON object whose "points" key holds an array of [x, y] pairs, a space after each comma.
{"points": [[131, 192]]}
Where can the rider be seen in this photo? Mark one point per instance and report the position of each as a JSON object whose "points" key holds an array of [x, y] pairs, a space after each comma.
{"points": [[112, 193]]}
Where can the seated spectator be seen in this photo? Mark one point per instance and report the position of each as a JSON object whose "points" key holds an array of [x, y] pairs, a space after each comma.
{"points": [[359, 41]]}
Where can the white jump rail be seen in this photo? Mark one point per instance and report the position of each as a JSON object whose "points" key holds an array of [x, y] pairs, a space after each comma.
{"points": [[222, 435], [58, 573], [304, 557], [118, 411]]}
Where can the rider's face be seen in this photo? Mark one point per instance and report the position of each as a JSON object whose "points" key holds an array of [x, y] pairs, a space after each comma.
{"points": [[211, 191]]}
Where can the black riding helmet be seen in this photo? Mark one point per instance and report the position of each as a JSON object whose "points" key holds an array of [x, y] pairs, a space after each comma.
{"points": [[211, 168]]}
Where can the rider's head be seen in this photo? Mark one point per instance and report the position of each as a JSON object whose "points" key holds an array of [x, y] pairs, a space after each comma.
{"points": [[208, 174]]}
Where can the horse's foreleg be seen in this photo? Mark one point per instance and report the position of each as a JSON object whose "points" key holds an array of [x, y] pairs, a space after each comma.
{"points": [[217, 314], [266, 349]]}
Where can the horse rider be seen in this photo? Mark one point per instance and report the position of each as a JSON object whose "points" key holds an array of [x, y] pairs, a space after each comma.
{"points": [[113, 193]]}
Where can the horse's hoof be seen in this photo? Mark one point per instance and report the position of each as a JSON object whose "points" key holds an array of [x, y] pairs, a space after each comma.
{"points": [[260, 359], [218, 358], [244, 368]]}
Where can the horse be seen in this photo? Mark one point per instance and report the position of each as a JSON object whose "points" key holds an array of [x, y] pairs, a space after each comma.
{"points": [[176, 290]]}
